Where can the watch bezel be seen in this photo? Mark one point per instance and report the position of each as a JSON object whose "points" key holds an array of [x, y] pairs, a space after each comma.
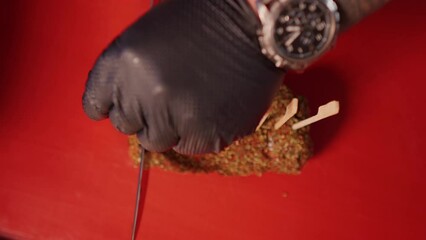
{"points": [[268, 17]]}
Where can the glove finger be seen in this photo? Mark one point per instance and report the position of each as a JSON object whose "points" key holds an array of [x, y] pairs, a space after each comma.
{"points": [[156, 141], [201, 140], [126, 115], [158, 135], [123, 123], [97, 98]]}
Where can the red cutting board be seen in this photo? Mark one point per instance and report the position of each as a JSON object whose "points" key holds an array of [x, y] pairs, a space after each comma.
{"points": [[63, 176]]}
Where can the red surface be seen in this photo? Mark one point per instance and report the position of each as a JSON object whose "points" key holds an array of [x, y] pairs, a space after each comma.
{"points": [[63, 176]]}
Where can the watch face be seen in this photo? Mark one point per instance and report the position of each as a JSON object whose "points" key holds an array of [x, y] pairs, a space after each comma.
{"points": [[302, 28]]}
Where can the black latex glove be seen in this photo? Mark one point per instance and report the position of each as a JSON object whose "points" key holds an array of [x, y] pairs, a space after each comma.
{"points": [[188, 75]]}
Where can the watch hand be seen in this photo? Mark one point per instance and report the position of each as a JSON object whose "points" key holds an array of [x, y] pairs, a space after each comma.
{"points": [[292, 37]]}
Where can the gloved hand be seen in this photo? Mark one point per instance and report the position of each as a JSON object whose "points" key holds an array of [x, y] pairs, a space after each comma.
{"points": [[188, 75]]}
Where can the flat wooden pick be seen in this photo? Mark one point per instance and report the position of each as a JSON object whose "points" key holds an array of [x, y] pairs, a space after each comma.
{"points": [[290, 111], [262, 121], [324, 111]]}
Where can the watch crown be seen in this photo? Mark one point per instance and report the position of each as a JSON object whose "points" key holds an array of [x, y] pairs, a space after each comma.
{"points": [[278, 64]]}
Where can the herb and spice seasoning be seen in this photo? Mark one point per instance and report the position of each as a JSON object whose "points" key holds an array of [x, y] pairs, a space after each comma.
{"points": [[283, 150]]}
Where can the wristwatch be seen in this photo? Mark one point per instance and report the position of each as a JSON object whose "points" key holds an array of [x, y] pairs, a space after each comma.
{"points": [[294, 33]]}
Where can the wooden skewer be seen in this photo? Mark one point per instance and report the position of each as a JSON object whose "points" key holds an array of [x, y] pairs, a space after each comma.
{"points": [[262, 121], [324, 111], [290, 111]]}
